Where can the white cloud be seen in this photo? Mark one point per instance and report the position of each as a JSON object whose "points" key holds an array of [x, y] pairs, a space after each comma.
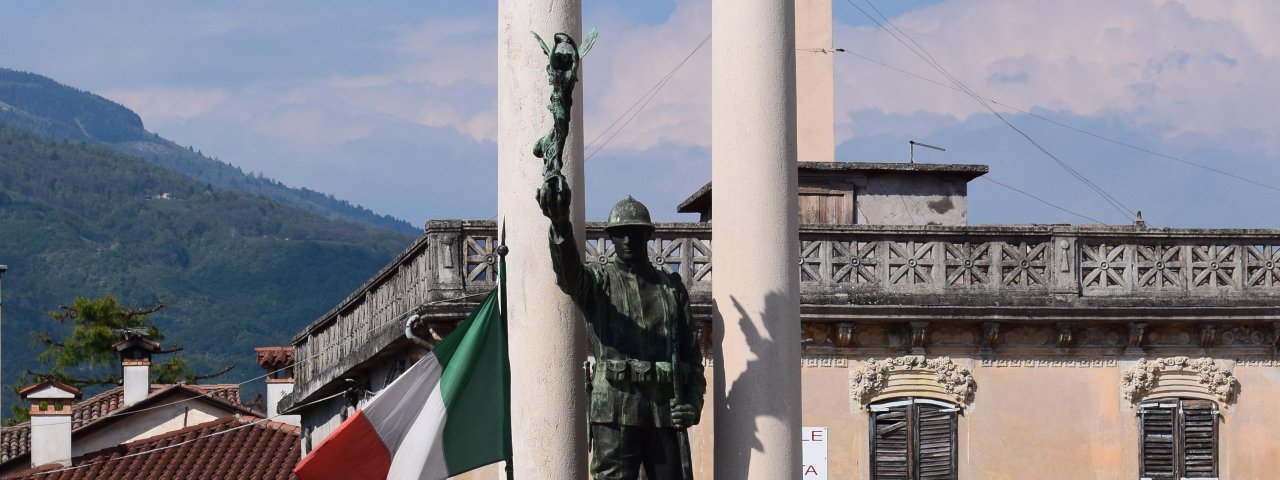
{"points": [[1185, 68], [629, 60]]}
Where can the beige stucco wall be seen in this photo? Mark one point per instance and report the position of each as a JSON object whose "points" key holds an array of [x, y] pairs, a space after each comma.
{"points": [[1052, 422], [1031, 421], [148, 423], [1248, 445], [1047, 422]]}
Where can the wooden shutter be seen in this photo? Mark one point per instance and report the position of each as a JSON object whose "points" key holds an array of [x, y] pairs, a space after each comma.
{"points": [[1159, 450], [935, 441], [890, 433], [1199, 439], [913, 440]]}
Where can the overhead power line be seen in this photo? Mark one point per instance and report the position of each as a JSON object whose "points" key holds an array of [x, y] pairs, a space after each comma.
{"points": [[924, 54], [640, 103], [1054, 122], [1038, 199]]}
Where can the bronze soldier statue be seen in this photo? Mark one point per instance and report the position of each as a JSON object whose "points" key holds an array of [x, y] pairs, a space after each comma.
{"points": [[647, 382]]}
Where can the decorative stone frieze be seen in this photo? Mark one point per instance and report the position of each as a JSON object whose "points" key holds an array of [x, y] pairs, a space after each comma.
{"points": [[1071, 362], [1177, 377], [824, 361], [910, 376]]}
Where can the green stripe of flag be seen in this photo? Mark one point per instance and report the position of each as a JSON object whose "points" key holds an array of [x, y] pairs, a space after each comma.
{"points": [[476, 388]]}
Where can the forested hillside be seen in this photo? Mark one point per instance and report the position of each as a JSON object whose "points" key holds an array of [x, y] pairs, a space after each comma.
{"points": [[237, 270], [58, 111]]}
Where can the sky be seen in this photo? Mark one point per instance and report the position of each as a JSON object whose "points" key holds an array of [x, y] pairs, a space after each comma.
{"points": [[392, 104]]}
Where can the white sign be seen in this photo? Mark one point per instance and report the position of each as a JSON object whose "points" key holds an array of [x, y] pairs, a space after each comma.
{"points": [[813, 445]]}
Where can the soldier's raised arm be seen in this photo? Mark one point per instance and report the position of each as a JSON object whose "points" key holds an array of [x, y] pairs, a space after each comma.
{"points": [[554, 198]]}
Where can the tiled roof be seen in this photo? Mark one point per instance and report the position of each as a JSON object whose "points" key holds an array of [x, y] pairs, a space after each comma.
{"points": [[273, 358], [16, 440], [232, 447]]}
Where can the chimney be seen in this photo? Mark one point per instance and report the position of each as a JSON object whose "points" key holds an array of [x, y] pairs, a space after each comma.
{"points": [[278, 362], [135, 364], [815, 82], [50, 421]]}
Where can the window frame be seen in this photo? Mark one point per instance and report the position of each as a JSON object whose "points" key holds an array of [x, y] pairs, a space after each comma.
{"points": [[913, 432], [1178, 407]]}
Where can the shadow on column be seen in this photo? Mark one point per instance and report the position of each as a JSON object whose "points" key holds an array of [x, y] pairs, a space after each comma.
{"points": [[749, 404]]}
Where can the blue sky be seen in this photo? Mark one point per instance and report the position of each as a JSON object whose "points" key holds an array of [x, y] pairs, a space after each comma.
{"points": [[391, 105]]}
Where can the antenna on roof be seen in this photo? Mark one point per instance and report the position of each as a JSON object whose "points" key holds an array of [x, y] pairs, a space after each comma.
{"points": [[912, 149]]}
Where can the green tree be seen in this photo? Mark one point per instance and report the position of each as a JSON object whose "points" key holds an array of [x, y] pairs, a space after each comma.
{"points": [[86, 357]]}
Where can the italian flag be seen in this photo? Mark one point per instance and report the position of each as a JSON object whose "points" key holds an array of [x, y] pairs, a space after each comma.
{"points": [[449, 413]]}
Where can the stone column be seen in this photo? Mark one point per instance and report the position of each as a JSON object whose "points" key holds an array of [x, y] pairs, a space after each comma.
{"points": [[815, 83], [755, 289], [547, 349]]}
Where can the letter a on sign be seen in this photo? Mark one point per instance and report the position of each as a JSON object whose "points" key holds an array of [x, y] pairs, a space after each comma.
{"points": [[813, 445]]}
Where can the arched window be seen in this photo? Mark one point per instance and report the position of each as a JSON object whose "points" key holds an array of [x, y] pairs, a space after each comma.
{"points": [[913, 439], [1179, 438]]}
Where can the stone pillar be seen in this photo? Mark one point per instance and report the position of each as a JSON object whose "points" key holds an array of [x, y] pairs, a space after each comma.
{"points": [[815, 83], [545, 330], [756, 289]]}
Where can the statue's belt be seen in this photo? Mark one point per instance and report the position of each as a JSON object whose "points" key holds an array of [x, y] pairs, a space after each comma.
{"points": [[638, 371]]}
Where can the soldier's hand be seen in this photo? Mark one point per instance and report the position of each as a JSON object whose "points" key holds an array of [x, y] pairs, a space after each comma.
{"points": [[554, 198], [683, 416]]}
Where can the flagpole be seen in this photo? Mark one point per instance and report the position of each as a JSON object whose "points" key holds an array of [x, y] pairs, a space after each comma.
{"points": [[502, 308]]}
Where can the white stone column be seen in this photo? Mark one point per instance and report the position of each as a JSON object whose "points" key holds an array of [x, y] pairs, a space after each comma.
{"points": [[547, 348], [755, 289], [815, 83]]}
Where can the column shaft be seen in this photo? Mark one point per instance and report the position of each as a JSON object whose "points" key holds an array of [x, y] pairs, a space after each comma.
{"points": [[546, 344], [754, 232]]}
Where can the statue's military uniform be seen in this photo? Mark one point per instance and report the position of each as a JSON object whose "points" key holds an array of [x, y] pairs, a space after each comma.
{"points": [[634, 319]]}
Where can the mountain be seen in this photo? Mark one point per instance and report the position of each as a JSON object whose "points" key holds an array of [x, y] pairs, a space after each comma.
{"points": [[58, 111], [237, 270]]}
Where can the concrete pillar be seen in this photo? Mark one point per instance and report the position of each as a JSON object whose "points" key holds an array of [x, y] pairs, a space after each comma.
{"points": [[135, 367], [278, 362], [545, 329], [276, 390], [50, 421], [756, 288], [815, 82], [136, 379]]}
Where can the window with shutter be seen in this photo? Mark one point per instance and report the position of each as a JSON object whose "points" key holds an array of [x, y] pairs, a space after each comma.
{"points": [[913, 439], [1179, 439]]}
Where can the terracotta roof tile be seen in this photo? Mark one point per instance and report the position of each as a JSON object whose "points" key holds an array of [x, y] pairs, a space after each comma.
{"points": [[227, 448], [16, 440]]}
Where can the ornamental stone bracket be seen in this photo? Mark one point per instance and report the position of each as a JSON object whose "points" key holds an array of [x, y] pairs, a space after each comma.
{"points": [[1178, 377], [910, 376]]}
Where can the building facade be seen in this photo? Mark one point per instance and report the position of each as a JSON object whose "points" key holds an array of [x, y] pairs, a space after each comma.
{"points": [[930, 351]]}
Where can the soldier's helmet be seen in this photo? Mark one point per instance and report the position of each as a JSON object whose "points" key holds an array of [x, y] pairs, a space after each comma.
{"points": [[629, 212]]}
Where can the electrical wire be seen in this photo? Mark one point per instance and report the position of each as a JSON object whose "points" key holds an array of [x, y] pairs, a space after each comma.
{"points": [[1041, 200], [641, 103], [1052, 121], [924, 54]]}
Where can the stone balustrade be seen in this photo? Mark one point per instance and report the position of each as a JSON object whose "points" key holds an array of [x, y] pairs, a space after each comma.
{"points": [[868, 268]]}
